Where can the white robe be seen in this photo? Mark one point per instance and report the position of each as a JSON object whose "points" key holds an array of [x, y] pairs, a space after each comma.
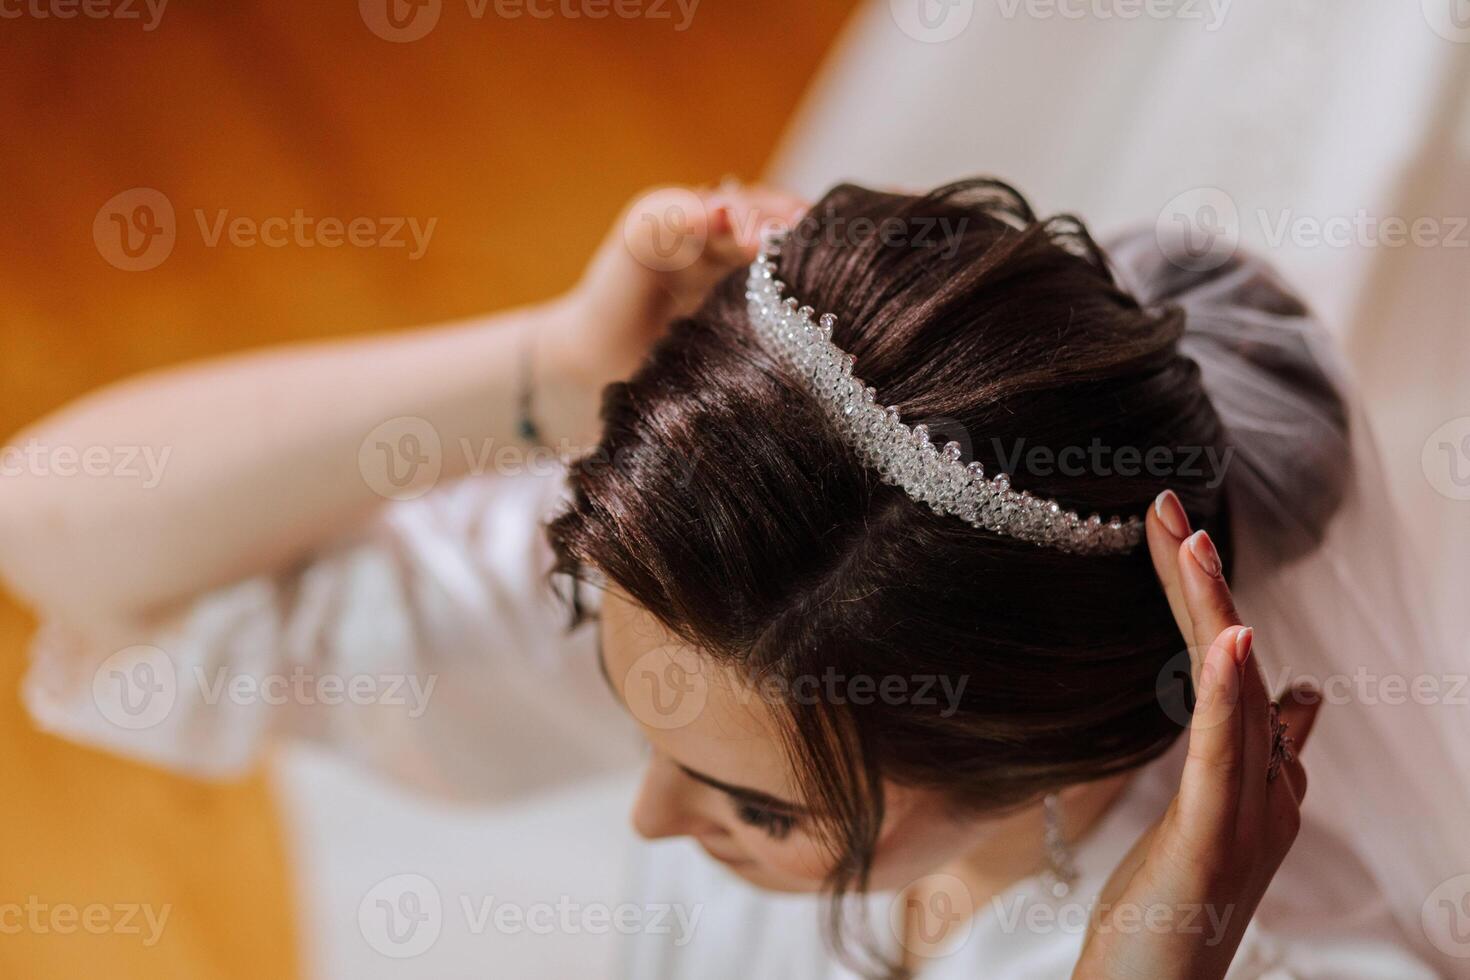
{"points": [[533, 871]]}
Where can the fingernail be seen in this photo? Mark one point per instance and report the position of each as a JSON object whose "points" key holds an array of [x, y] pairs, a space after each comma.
{"points": [[1243, 640], [1204, 552], [719, 220], [1171, 513]]}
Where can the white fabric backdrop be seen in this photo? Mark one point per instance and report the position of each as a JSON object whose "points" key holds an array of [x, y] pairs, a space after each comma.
{"points": [[1304, 127]]}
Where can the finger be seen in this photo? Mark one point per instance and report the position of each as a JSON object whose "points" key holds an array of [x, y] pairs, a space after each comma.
{"points": [[1209, 788], [1207, 598], [1166, 527], [755, 211], [1211, 611], [1255, 725]]}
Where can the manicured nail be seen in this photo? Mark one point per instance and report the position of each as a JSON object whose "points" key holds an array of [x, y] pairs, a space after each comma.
{"points": [[1204, 552], [1171, 513], [1243, 640], [719, 220]]}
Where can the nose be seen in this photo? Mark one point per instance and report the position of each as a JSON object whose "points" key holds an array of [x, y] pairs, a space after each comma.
{"points": [[664, 807]]}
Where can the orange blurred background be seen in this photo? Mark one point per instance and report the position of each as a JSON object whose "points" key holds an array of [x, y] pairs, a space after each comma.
{"points": [[519, 137]]}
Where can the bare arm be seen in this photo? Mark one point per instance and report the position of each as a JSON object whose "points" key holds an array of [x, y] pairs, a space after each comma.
{"points": [[244, 463], [224, 468]]}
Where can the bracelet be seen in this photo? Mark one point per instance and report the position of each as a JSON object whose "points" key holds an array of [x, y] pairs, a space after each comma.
{"points": [[526, 426]]}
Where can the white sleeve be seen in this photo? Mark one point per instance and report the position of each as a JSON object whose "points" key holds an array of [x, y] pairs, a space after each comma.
{"points": [[429, 644]]}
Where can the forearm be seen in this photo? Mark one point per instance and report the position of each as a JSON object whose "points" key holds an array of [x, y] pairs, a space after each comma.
{"points": [[242, 464]]}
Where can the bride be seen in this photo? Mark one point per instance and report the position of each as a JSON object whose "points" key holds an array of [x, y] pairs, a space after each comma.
{"points": [[826, 538]]}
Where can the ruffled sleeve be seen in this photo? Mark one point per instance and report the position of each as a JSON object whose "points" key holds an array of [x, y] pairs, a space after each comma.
{"points": [[429, 644]]}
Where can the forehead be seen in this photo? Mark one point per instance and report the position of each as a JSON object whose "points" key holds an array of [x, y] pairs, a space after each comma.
{"points": [[697, 712]]}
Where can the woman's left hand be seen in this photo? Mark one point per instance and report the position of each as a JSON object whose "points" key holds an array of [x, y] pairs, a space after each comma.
{"points": [[1179, 903]]}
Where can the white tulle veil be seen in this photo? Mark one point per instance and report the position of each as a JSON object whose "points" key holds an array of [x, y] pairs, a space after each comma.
{"points": [[1324, 573]]}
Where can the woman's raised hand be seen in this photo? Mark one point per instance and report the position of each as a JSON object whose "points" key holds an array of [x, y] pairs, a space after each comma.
{"points": [[666, 250], [1214, 851]]}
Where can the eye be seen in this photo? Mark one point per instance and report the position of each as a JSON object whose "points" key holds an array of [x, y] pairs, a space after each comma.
{"points": [[776, 824]]}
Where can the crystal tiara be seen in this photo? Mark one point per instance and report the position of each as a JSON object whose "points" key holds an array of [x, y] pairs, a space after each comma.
{"points": [[906, 456]]}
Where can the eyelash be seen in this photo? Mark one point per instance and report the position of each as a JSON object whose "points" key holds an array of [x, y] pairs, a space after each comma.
{"points": [[777, 825]]}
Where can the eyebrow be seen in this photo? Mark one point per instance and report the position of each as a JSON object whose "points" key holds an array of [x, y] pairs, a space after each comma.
{"points": [[744, 794]]}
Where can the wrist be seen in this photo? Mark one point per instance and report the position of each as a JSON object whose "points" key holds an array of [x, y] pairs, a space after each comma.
{"points": [[561, 375]]}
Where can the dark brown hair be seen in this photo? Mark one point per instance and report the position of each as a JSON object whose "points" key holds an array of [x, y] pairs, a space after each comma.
{"points": [[740, 518]]}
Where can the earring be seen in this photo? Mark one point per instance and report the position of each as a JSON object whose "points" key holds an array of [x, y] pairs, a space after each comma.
{"points": [[1061, 872]]}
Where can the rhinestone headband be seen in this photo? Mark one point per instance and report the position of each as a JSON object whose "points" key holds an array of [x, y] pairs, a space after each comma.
{"points": [[905, 456]]}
